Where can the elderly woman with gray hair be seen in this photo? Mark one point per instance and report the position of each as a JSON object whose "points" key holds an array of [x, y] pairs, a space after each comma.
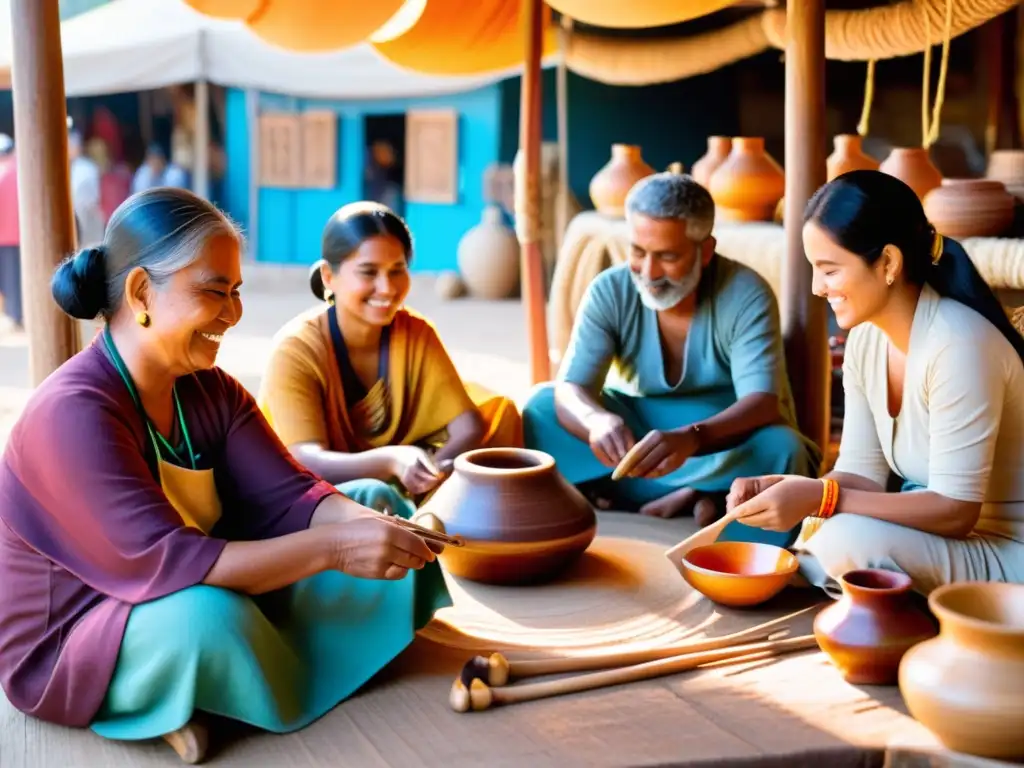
{"points": [[679, 352]]}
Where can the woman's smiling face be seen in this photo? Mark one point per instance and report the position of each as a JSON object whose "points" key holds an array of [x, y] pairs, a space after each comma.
{"points": [[855, 290]]}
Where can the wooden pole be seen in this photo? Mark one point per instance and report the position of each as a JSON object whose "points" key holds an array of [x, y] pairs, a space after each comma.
{"points": [[44, 192], [201, 141], [804, 324], [532, 261]]}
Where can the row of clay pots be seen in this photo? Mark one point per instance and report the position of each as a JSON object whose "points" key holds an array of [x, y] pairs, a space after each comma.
{"points": [[963, 681]]}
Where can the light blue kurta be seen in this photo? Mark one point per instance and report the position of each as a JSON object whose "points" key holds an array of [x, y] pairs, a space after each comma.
{"points": [[733, 349], [277, 662]]}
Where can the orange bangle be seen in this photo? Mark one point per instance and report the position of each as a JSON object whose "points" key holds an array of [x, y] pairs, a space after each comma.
{"points": [[829, 498]]}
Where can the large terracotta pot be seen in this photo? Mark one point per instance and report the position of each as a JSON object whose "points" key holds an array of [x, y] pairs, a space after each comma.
{"points": [[1007, 166], [718, 150], [970, 208], [914, 167], [522, 521], [611, 184], [847, 155], [867, 631], [967, 684], [749, 184], [488, 257]]}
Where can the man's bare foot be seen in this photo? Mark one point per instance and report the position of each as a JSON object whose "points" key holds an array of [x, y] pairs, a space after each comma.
{"points": [[673, 504], [708, 509], [189, 741]]}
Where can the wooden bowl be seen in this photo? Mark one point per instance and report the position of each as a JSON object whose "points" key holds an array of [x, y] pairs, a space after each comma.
{"points": [[738, 573]]}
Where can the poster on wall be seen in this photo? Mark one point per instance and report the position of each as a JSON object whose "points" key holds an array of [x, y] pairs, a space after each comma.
{"points": [[280, 150], [319, 149], [432, 156]]}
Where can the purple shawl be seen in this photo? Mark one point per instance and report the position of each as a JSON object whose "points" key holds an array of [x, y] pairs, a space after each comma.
{"points": [[86, 531]]}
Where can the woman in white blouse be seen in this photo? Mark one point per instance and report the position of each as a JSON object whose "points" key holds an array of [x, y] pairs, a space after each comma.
{"points": [[934, 385]]}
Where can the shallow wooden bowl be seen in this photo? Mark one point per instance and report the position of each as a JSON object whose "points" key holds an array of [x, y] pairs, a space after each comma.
{"points": [[738, 573]]}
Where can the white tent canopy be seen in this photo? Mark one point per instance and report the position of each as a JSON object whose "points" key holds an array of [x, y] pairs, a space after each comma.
{"points": [[136, 45]]}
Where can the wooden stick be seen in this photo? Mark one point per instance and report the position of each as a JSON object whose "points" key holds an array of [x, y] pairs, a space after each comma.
{"points": [[428, 533], [703, 537], [479, 696], [496, 670]]}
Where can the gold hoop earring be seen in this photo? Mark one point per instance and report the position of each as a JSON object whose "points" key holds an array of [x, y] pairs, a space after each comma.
{"points": [[142, 319]]}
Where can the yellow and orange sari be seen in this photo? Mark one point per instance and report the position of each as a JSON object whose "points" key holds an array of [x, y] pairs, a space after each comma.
{"points": [[417, 395]]}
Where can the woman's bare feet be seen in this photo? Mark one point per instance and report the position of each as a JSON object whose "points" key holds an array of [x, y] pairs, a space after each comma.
{"points": [[189, 741], [674, 504]]}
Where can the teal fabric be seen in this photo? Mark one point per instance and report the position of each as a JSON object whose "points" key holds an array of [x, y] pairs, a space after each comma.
{"points": [[733, 349], [277, 662]]}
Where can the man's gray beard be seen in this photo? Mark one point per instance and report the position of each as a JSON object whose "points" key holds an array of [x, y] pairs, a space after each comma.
{"points": [[671, 291]]}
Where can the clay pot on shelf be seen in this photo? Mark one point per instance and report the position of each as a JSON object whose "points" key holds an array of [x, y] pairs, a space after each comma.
{"points": [[848, 155], [871, 626], [488, 257], [1007, 166], [611, 184], [718, 150], [914, 167], [966, 685], [749, 184], [962, 208], [522, 521]]}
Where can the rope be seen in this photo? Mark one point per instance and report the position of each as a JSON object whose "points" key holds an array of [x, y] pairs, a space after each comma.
{"points": [[927, 78], [930, 126], [869, 96]]}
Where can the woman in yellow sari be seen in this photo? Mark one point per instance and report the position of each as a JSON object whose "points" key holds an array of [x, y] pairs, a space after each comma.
{"points": [[362, 387]]}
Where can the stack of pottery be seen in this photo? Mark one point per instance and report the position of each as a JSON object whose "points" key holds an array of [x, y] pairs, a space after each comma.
{"points": [[962, 208], [1007, 166], [748, 185], [522, 521], [488, 257], [611, 184], [913, 166], [967, 685], [869, 629], [848, 155], [719, 148]]}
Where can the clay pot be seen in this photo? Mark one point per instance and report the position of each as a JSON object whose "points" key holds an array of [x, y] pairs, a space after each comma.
{"points": [[611, 184], [871, 626], [748, 184], [1007, 166], [913, 166], [488, 257], [847, 155], [965, 685], [522, 521], [963, 208], [718, 150]]}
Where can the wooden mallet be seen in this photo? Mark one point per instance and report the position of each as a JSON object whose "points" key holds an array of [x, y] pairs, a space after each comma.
{"points": [[496, 669], [478, 696]]}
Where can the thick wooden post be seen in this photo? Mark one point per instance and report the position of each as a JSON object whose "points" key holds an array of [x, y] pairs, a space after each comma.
{"points": [[44, 194], [804, 323], [532, 261]]}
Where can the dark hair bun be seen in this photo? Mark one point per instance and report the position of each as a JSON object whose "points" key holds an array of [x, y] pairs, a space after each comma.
{"points": [[79, 286], [316, 280]]}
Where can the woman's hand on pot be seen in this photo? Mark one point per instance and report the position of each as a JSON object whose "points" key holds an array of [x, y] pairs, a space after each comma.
{"points": [[374, 546], [414, 469], [782, 505]]}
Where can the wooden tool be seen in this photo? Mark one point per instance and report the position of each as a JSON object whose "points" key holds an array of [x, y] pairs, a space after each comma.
{"points": [[429, 533], [479, 696], [496, 670], [628, 462], [706, 535]]}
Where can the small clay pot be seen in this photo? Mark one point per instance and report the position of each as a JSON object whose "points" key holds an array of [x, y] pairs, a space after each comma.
{"points": [[967, 685], [913, 166], [719, 148], [488, 257], [749, 184], [1007, 166], [848, 155], [867, 631], [611, 184], [522, 521], [962, 208]]}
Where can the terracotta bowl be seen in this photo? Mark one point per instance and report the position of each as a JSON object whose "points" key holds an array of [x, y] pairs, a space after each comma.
{"points": [[738, 573]]}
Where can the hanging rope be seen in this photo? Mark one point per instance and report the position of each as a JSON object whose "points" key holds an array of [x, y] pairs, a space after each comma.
{"points": [[930, 125], [869, 96]]}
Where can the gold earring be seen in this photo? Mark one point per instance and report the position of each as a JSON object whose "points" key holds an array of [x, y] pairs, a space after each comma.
{"points": [[142, 319]]}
